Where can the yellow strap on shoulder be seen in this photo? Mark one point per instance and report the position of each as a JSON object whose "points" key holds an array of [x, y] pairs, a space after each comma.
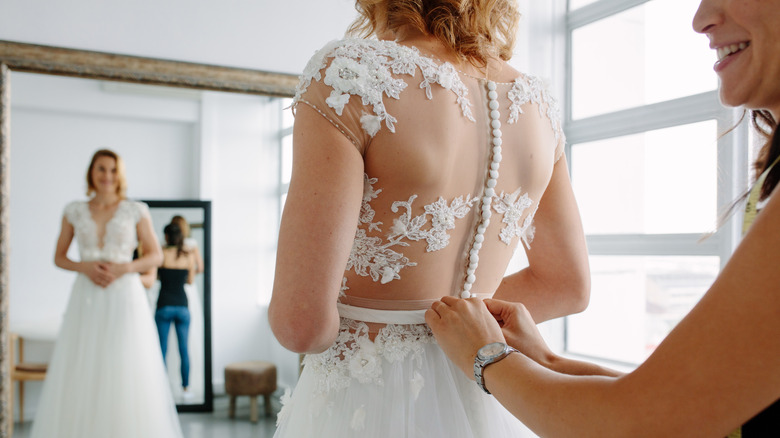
{"points": [[751, 207]]}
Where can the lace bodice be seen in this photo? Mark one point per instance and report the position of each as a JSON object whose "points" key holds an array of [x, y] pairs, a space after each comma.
{"points": [[431, 139], [120, 238]]}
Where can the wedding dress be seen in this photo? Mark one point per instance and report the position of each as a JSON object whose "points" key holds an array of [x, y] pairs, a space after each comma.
{"points": [[106, 377], [448, 230]]}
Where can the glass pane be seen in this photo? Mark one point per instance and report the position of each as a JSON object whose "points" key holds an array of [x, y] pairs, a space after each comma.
{"points": [[644, 55], [287, 114], [635, 302], [287, 153], [657, 182], [574, 4]]}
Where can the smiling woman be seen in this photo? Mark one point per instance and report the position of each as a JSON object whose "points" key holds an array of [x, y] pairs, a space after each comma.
{"points": [[106, 345], [745, 35], [188, 140]]}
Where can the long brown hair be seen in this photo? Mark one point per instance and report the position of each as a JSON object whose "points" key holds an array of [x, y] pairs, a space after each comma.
{"points": [[475, 30], [766, 125], [175, 238]]}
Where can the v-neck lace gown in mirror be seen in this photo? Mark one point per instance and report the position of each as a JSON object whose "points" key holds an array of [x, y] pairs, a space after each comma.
{"points": [[454, 170], [106, 377]]}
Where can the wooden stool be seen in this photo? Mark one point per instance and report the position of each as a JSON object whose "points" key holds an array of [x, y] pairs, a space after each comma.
{"points": [[252, 379], [21, 371]]}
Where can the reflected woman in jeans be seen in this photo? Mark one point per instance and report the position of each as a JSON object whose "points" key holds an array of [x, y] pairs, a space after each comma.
{"points": [[178, 268]]}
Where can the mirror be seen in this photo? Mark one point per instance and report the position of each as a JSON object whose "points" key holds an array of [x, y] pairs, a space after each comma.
{"points": [[193, 173], [197, 215]]}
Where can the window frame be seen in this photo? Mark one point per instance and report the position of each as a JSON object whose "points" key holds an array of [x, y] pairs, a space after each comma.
{"points": [[732, 160]]}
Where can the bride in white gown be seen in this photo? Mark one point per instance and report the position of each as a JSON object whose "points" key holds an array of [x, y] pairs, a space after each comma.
{"points": [[106, 377], [421, 161]]}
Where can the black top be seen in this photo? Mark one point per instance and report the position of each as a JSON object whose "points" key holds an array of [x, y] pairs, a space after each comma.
{"points": [[172, 283], [764, 425]]}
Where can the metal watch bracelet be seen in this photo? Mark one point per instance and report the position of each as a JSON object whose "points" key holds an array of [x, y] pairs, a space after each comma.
{"points": [[488, 354]]}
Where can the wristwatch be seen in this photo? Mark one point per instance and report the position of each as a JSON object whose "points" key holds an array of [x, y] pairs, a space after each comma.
{"points": [[490, 353]]}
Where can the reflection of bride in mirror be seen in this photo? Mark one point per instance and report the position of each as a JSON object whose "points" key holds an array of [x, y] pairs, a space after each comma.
{"points": [[106, 377], [177, 270]]}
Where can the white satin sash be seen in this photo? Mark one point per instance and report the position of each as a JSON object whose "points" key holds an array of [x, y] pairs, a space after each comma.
{"points": [[381, 316]]}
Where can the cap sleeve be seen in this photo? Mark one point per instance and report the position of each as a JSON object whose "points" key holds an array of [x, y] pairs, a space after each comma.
{"points": [[346, 83], [141, 210], [331, 85], [554, 114], [529, 88], [72, 211]]}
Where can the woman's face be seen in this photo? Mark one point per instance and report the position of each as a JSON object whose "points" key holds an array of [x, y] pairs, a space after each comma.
{"points": [[104, 175], [746, 36]]}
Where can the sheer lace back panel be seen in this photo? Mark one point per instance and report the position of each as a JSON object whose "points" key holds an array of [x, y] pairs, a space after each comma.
{"points": [[423, 129], [120, 238]]}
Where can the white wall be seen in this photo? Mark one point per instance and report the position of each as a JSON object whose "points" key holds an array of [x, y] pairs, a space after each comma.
{"points": [[272, 35]]}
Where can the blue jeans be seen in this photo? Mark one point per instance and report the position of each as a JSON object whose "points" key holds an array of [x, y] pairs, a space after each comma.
{"points": [[180, 317]]}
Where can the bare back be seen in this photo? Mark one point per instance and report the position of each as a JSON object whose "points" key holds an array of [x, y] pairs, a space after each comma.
{"points": [[424, 132]]}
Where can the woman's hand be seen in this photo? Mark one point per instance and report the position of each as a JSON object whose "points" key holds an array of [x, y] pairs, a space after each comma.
{"points": [[462, 327], [117, 269], [99, 273], [520, 331]]}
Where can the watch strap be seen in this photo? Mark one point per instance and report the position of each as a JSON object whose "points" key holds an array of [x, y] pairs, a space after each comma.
{"points": [[480, 364]]}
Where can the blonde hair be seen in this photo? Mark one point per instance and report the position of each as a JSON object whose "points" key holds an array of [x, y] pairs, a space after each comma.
{"points": [[475, 30], [121, 187]]}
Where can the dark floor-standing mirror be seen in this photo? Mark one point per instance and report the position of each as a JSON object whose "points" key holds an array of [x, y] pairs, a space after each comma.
{"points": [[197, 217]]}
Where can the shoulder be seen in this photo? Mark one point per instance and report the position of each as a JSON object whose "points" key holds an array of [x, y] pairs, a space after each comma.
{"points": [[343, 64], [74, 206], [359, 49], [73, 210], [528, 87], [138, 209]]}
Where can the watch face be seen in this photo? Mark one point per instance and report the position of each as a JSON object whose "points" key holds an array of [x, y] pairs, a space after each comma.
{"points": [[491, 350]]}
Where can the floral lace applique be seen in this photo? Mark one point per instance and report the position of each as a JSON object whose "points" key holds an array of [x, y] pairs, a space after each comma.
{"points": [[512, 206], [355, 357], [532, 89], [371, 255], [365, 68], [442, 219], [119, 239]]}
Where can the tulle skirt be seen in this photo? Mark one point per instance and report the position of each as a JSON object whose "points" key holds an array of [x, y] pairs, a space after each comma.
{"points": [[106, 377], [400, 384]]}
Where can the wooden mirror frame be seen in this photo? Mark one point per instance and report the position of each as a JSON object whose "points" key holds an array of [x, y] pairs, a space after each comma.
{"points": [[33, 58]]}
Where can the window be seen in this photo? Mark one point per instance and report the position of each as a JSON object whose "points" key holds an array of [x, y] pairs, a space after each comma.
{"points": [[649, 170], [285, 162]]}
